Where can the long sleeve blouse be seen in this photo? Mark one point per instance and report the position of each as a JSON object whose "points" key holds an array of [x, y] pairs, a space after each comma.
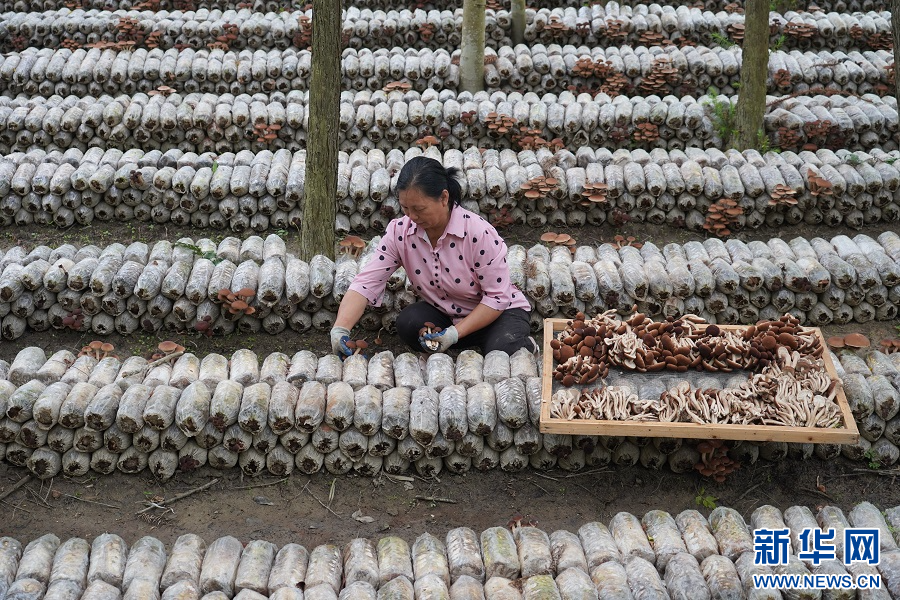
{"points": [[466, 267]]}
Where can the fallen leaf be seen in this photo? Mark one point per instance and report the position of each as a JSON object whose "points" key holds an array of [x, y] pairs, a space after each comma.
{"points": [[362, 518]]}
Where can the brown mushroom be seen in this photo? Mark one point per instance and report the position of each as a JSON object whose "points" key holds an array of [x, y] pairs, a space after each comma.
{"points": [[168, 347], [856, 340], [352, 245], [836, 341]]}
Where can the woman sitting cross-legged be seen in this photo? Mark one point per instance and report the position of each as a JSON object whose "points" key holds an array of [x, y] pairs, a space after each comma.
{"points": [[456, 264]]}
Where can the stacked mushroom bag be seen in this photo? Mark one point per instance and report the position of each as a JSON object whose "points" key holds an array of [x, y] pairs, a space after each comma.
{"points": [[265, 190], [840, 6], [96, 71], [537, 68], [592, 25], [254, 30], [68, 414], [872, 386], [399, 121], [193, 285], [660, 556]]}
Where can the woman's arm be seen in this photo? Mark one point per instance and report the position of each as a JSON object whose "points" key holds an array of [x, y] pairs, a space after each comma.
{"points": [[351, 309], [479, 318]]}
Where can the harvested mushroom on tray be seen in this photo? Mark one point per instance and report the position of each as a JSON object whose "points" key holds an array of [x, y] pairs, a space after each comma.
{"points": [[789, 385]]}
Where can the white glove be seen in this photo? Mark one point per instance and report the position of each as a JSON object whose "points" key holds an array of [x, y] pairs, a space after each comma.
{"points": [[445, 338], [339, 338]]}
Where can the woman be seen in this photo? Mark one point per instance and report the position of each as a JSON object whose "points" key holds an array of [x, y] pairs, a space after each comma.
{"points": [[456, 263]]}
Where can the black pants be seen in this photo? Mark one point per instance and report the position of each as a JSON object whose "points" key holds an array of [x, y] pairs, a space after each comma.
{"points": [[509, 332]]}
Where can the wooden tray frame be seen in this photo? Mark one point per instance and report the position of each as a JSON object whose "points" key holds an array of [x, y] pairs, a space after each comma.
{"points": [[758, 433]]}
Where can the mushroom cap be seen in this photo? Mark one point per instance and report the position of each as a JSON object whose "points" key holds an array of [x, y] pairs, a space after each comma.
{"points": [[170, 346], [548, 237], [239, 305], [362, 344], [351, 241], [107, 347], [95, 345], [836, 341], [856, 340], [247, 292]]}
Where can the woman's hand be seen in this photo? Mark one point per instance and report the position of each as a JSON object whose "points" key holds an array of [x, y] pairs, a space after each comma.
{"points": [[339, 338], [445, 338]]}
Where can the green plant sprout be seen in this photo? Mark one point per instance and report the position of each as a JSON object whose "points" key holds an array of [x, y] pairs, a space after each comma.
{"points": [[705, 500]]}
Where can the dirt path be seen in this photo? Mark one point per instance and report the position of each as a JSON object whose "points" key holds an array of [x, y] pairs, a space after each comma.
{"points": [[289, 511]]}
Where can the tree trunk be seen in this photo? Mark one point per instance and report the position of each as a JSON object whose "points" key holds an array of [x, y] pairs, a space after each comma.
{"points": [[471, 64], [751, 105], [320, 207], [895, 31], [518, 21]]}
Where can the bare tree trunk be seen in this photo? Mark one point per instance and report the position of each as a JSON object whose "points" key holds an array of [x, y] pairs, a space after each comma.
{"points": [[751, 105], [471, 64], [518, 21], [317, 230], [895, 31]]}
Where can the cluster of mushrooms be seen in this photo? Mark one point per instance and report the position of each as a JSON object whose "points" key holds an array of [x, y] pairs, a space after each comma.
{"points": [[788, 386], [714, 460], [857, 341], [682, 344]]}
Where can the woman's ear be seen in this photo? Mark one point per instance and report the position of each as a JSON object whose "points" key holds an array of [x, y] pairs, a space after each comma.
{"points": [[445, 198]]}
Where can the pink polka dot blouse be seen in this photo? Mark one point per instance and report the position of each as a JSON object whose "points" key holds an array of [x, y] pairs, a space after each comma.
{"points": [[466, 268]]}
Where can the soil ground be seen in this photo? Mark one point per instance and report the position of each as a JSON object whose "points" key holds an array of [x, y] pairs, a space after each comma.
{"points": [[293, 510]]}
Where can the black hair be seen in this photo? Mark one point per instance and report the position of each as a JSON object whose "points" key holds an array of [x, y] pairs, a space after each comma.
{"points": [[430, 176]]}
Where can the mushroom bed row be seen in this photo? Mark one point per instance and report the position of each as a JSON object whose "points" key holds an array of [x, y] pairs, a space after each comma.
{"points": [[840, 6], [176, 287], [537, 68], [71, 414], [399, 121], [593, 25], [654, 557], [266, 190]]}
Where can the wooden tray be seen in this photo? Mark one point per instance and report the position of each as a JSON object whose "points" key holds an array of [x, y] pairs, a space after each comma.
{"points": [[848, 434]]}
